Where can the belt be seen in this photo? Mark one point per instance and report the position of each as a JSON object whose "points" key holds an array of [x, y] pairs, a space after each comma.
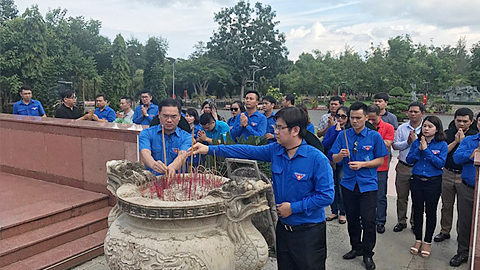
{"points": [[454, 170], [301, 227], [467, 184], [406, 164]]}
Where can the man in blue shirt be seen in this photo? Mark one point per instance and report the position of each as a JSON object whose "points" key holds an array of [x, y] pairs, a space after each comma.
{"points": [[465, 155], [361, 152], [212, 129], [103, 113], [251, 122], [27, 105], [268, 105], [177, 141], [145, 113], [302, 183]]}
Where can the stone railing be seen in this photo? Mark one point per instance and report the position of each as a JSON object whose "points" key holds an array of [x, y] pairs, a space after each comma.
{"points": [[62, 151]]}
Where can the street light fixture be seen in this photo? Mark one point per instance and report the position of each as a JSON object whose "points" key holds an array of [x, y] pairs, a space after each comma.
{"points": [[255, 69], [173, 74]]}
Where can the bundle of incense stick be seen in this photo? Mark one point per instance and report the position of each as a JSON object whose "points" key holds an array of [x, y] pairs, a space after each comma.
{"points": [[191, 154], [164, 149], [346, 142]]}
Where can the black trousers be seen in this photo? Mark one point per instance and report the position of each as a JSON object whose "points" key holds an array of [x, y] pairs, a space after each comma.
{"points": [[361, 206], [303, 249], [425, 195]]}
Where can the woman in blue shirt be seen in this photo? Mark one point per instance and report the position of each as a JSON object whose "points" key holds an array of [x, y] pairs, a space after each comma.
{"points": [[191, 115], [328, 140], [428, 154], [236, 108]]}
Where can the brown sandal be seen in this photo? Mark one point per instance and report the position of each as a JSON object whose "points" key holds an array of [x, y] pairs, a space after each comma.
{"points": [[426, 249], [342, 219], [414, 249]]}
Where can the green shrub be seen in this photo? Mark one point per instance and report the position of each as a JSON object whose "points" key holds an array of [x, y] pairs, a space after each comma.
{"points": [[397, 91]]}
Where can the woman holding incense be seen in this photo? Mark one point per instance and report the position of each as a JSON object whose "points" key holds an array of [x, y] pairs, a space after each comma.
{"points": [[338, 209], [428, 153]]}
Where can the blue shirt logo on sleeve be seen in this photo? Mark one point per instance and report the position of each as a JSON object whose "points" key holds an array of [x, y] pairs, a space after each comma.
{"points": [[435, 152]]}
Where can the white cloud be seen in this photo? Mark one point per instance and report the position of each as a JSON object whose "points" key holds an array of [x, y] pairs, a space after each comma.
{"points": [[326, 25]]}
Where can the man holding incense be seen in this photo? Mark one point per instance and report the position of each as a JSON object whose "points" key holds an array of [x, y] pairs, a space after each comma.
{"points": [[361, 151], [302, 183], [163, 148]]}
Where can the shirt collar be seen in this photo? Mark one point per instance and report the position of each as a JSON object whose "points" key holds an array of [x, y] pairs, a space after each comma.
{"points": [[176, 132], [302, 150], [363, 132], [411, 127], [272, 115]]}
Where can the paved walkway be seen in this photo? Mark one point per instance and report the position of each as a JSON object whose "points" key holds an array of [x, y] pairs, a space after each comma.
{"points": [[392, 250]]}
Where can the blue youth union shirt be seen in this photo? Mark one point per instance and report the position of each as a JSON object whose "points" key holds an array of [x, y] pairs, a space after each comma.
{"points": [[257, 126], [34, 108], [138, 117], [151, 139], [305, 180], [107, 114], [430, 161], [462, 156], [365, 146]]}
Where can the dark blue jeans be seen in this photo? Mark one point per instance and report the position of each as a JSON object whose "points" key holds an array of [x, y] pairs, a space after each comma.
{"points": [[337, 205], [382, 198]]}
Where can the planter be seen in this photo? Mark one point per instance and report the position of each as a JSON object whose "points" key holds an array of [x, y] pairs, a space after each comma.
{"points": [[212, 233]]}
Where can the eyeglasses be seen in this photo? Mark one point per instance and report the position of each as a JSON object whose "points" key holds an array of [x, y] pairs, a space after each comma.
{"points": [[234, 109], [173, 117], [343, 116], [278, 128]]}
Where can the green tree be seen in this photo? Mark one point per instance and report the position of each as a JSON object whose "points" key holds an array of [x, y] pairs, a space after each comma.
{"points": [[8, 11], [247, 37], [136, 55], [475, 64], [154, 73], [200, 73], [120, 70], [137, 82]]}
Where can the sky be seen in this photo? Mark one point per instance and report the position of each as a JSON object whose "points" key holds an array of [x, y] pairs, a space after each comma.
{"points": [[326, 25]]}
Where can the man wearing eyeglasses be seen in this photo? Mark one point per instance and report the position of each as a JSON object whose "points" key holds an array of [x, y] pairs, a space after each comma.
{"points": [[250, 122], [177, 141], [268, 105], [302, 184], [145, 113], [68, 110], [361, 151]]}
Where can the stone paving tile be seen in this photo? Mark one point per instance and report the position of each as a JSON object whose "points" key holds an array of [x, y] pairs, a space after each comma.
{"points": [[392, 250]]}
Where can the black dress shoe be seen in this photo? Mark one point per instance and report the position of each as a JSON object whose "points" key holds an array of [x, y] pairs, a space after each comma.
{"points": [[457, 260], [380, 228], [369, 264], [399, 227], [353, 254], [440, 237]]}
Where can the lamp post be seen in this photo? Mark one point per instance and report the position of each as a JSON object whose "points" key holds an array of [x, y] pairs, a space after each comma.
{"points": [[173, 74], [255, 69]]}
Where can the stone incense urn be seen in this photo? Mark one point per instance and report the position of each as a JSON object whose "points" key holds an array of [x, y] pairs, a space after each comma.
{"points": [[214, 231]]}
